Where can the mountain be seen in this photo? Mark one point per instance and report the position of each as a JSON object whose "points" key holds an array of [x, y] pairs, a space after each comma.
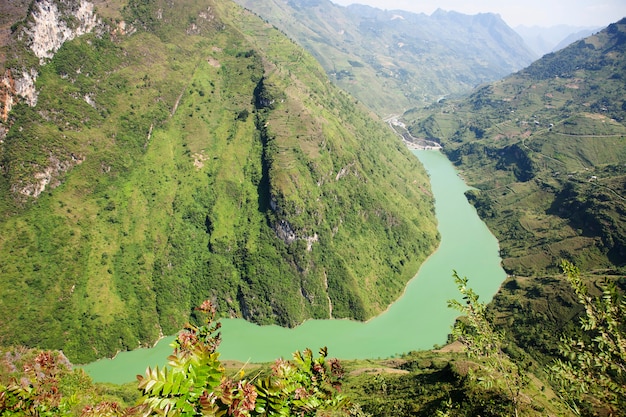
{"points": [[393, 60], [545, 148], [155, 154], [543, 40], [573, 37]]}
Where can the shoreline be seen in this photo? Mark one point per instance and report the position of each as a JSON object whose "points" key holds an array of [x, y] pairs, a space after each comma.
{"points": [[382, 312]]}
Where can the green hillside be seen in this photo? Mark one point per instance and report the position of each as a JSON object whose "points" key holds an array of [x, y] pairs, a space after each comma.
{"points": [[545, 149], [393, 60], [187, 151]]}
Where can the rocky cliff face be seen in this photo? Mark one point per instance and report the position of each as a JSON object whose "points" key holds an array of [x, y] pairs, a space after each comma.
{"points": [[50, 24], [48, 28], [51, 29], [7, 95]]}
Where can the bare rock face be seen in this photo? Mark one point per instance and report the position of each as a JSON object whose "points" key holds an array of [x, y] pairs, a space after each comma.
{"points": [[25, 86], [45, 35], [51, 24], [50, 30], [47, 177], [7, 96]]}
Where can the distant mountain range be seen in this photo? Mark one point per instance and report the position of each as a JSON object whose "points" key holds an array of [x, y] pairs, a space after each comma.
{"points": [[543, 40], [393, 60]]}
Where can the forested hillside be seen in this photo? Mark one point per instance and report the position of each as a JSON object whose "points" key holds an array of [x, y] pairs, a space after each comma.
{"points": [[392, 60], [156, 154], [546, 148]]}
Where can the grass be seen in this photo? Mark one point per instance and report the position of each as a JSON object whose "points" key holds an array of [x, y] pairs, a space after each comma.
{"points": [[170, 203], [539, 145]]}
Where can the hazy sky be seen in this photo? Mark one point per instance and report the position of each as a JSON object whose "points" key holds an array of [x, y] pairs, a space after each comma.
{"points": [[517, 12]]}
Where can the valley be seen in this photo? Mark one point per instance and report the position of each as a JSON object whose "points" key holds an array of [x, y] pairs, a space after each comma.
{"points": [[393, 60], [539, 143], [265, 180], [164, 161], [464, 239]]}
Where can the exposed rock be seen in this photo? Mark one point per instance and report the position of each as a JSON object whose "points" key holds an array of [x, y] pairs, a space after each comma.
{"points": [[10, 89], [50, 30], [7, 95], [347, 170], [48, 176], [45, 35], [310, 240], [25, 87], [89, 100], [285, 232], [53, 23], [123, 29]]}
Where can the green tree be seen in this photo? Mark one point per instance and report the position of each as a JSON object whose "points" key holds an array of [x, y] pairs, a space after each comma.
{"points": [[594, 368], [195, 384], [484, 342]]}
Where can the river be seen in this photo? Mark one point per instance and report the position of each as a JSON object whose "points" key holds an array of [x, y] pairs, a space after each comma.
{"points": [[418, 320]]}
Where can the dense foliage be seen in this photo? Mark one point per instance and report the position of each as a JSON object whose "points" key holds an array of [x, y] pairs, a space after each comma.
{"points": [[194, 384], [594, 367], [545, 149], [566, 330], [196, 153]]}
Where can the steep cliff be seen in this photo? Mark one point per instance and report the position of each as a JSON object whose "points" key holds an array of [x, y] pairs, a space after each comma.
{"points": [[48, 27], [180, 151]]}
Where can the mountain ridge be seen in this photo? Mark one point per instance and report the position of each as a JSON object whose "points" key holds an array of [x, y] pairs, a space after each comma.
{"points": [[393, 60], [543, 40], [543, 146], [191, 151]]}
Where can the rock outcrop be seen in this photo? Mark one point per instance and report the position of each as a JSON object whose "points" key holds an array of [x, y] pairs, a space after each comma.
{"points": [[50, 25], [50, 29], [45, 34]]}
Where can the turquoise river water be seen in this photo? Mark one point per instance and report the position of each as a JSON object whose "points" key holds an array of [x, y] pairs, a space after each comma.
{"points": [[418, 320]]}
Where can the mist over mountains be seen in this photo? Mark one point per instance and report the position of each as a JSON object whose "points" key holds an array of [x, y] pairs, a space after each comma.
{"points": [[543, 40]]}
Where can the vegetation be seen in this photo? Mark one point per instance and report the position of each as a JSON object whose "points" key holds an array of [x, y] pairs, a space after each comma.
{"points": [[195, 384], [595, 365], [483, 341], [544, 149], [481, 373], [546, 328], [202, 155], [198, 155], [392, 61]]}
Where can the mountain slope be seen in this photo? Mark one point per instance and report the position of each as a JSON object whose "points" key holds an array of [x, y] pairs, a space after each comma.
{"points": [[176, 152], [543, 40], [394, 60], [546, 148]]}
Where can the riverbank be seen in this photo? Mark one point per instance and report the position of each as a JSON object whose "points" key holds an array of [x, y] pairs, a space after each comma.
{"points": [[425, 146], [413, 143], [418, 320]]}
